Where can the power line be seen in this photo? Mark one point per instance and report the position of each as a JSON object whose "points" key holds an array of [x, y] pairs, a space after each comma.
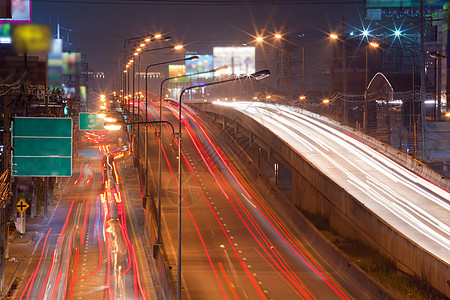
{"points": [[206, 2]]}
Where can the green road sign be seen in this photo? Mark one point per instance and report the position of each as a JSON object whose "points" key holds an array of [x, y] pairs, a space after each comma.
{"points": [[91, 121], [42, 147]]}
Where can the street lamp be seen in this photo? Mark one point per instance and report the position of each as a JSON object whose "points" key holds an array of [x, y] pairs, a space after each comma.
{"points": [[124, 56], [139, 70], [257, 76], [366, 101], [333, 37], [191, 58], [160, 141]]}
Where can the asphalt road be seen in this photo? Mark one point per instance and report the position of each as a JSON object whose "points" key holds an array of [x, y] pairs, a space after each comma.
{"points": [[89, 251], [233, 244]]}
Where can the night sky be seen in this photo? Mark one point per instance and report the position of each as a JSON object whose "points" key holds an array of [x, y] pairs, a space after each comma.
{"points": [[98, 28]]}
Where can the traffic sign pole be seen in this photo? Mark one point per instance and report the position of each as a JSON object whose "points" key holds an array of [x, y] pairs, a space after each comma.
{"points": [[22, 206]]}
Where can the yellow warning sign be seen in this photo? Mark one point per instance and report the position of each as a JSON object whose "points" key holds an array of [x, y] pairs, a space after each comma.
{"points": [[22, 206]]}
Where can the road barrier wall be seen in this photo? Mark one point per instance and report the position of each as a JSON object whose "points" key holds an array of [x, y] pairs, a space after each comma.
{"points": [[313, 191]]}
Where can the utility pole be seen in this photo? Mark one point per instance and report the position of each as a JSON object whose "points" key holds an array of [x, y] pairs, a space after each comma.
{"points": [[422, 83], [344, 67], [4, 208]]}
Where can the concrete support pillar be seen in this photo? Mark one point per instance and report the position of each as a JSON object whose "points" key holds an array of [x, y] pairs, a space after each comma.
{"points": [[295, 189], [305, 196], [224, 124], [236, 130]]}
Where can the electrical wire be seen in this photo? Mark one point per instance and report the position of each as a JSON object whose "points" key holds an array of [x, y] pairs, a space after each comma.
{"points": [[206, 2]]}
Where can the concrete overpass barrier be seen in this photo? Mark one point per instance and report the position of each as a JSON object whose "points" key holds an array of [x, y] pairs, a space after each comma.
{"points": [[316, 193], [396, 155]]}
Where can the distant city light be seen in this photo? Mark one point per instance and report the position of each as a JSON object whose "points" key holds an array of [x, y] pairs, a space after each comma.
{"points": [[365, 32], [397, 32]]}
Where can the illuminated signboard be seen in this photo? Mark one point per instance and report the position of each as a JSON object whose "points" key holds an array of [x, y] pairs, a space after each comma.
{"points": [[83, 94], [5, 33], [178, 70], [71, 63], [15, 11], [402, 3], [55, 63], [204, 63], [239, 60], [32, 37]]}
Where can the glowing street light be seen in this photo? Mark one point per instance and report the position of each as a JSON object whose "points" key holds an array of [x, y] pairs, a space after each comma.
{"points": [[333, 36], [178, 47], [278, 36], [259, 39], [374, 44]]}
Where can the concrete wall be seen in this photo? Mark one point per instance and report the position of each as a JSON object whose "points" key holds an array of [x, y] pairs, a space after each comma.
{"points": [[396, 155], [316, 193]]}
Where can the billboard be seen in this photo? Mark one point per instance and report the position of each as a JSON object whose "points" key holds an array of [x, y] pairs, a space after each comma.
{"points": [[178, 70], [204, 63], [402, 3], [32, 37], [5, 33], [83, 94], [15, 11], [71, 63], [239, 60], [55, 64]]}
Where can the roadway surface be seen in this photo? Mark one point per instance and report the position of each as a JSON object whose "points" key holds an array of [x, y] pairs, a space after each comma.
{"points": [[90, 250], [233, 245], [415, 207]]}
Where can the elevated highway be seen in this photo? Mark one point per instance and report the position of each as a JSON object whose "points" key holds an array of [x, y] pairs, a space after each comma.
{"points": [[363, 193]]}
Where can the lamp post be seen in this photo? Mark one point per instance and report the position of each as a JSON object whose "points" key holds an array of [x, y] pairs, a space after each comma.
{"points": [[258, 76], [124, 56], [160, 130], [176, 47], [138, 54], [366, 102], [334, 36]]}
